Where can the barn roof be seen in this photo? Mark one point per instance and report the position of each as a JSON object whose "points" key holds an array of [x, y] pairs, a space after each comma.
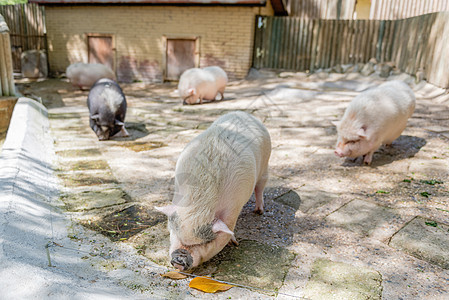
{"points": [[160, 2], [278, 5]]}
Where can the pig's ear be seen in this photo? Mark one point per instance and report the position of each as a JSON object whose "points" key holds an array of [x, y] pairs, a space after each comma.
{"points": [[219, 225], [191, 91], [362, 132], [119, 123], [336, 123], [167, 210], [95, 117]]}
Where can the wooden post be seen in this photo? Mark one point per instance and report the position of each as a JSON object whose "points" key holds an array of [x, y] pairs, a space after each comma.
{"points": [[6, 72]]}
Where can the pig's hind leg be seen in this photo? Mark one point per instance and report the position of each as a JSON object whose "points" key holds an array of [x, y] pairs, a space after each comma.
{"points": [[258, 193]]}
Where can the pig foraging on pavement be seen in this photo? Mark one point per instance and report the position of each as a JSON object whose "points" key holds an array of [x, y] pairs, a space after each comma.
{"points": [[201, 84], [107, 109], [375, 117], [85, 75], [215, 176]]}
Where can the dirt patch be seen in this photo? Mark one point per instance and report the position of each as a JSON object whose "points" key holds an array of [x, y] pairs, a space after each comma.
{"points": [[125, 223], [87, 179], [143, 146], [79, 152], [85, 165]]}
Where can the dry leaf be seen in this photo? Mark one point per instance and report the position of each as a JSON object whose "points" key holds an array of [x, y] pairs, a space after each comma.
{"points": [[174, 275], [208, 285]]}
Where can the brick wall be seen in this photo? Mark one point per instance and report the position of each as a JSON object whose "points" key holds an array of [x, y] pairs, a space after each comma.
{"points": [[225, 36]]}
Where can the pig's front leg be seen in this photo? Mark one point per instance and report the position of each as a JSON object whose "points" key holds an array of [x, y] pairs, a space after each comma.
{"points": [[368, 158], [122, 133]]}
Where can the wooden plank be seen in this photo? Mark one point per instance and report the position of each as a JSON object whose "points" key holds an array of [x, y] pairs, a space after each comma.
{"points": [[344, 54], [426, 47], [336, 37], [308, 60], [276, 39], [258, 33], [321, 46], [375, 37], [287, 43], [420, 44], [328, 42], [300, 50], [333, 47], [266, 43], [356, 41], [295, 47], [414, 44], [316, 29]]}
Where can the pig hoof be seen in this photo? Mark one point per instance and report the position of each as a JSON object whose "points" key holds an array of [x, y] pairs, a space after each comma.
{"points": [[233, 242], [258, 211], [181, 259]]}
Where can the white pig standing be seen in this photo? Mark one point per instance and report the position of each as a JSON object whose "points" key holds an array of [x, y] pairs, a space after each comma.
{"points": [[201, 84], [373, 118], [85, 75], [215, 176]]}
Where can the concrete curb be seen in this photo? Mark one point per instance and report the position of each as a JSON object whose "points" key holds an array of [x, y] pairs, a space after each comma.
{"points": [[30, 220]]}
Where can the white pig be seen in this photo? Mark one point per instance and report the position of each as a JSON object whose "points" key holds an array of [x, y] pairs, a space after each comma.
{"points": [[215, 176], [85, 75], [373, 118], [201, 84]]}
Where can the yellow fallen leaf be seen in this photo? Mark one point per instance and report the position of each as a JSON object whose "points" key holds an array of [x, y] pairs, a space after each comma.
{"points": [[174, 275], [208, 285]]}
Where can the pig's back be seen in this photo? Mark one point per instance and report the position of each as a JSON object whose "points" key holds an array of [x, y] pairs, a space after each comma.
{"points": [[195, 78], [226, 160], [106, 94], [385, 104]]}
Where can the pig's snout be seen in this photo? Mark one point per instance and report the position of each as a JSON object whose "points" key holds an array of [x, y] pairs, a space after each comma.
{"points": [[181, 259], [339, 153]]}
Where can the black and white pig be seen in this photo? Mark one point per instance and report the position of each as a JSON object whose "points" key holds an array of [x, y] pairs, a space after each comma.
{"points": [[107, 109], [215, 176]]}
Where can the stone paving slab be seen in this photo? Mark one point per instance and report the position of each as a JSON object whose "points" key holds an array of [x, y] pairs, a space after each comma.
{"points": [[253, 263], [88, 200], [424, 239], [363, 217], [336, 280]]}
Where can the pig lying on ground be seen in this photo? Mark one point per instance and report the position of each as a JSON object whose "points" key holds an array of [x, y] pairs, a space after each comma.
{"points": [[85, 75], [202, 84], [215, 176], [107, 109], [375, 117]]}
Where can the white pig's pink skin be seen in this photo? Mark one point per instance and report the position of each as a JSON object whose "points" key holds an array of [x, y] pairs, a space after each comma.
{"points": [[196, 85], [215, 176], [375, 117], [84, 75]]}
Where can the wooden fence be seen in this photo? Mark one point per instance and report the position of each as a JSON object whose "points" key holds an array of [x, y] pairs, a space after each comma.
{"points": [[378, 10], [7, 87], [400, 9], [27, 29], [419, 43], [321, 9]]}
